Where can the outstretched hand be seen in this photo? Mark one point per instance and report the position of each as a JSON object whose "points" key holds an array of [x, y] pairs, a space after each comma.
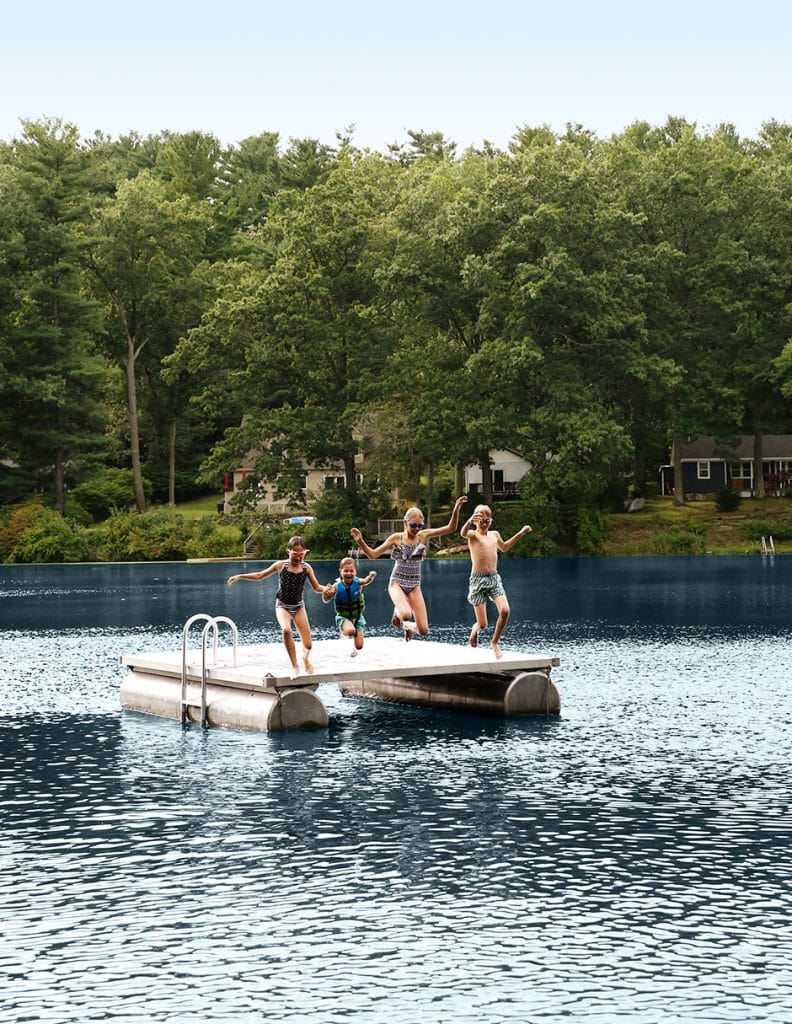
{"points": [[356, 533], [526, 529], [231, 581]]}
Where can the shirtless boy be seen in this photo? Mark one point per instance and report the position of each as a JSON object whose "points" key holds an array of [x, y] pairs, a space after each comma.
{"points": [[485, 581]]}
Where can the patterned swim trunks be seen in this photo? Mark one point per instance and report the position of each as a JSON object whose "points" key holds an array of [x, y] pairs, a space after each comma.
{"points": [[485, 585], [360, 625]]}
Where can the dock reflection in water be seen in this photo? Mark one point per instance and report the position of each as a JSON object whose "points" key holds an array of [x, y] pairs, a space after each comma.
{"points": [[629, 861]]}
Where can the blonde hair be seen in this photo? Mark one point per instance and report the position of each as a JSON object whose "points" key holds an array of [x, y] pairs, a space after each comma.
{"points": [[412, 512], [348, 560], [482, 508]]}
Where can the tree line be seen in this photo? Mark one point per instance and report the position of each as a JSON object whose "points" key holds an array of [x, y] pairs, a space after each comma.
{"points": [[177, 307]]}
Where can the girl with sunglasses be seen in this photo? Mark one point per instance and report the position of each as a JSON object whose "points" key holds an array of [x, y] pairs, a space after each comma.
{"points": [[408, 550], [289, 602]]}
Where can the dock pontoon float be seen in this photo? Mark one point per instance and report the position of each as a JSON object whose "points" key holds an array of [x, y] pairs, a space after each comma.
{"points": [[251, 687]]}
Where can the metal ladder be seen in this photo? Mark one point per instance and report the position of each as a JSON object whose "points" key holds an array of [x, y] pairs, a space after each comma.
{"points": [[212, 624]]}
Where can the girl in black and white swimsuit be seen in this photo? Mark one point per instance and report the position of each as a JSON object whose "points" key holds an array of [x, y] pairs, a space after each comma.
{"points": [[289, 602], [408, 550]]}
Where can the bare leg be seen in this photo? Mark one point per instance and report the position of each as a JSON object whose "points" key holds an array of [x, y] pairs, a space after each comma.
{"points": [[481, 622], [358, 642], [285, 621], [401, 605], [419, 612], [503, 617], [304, 629], [348, 629]]}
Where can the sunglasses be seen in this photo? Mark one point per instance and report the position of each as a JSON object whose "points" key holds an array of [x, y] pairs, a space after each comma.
{"points": [[416, 526], [484, 520]]}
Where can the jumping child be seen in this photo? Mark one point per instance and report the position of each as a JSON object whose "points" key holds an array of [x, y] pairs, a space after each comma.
{"points": [[289, 601], [485, 581], [349, 601], [408, 549]]}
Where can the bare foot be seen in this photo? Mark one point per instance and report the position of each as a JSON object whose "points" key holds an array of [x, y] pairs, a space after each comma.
{"points": [[496, 650], [294, 673], [353, 652], [409, 629], [396, 622], [474, 636], [307, 664]]}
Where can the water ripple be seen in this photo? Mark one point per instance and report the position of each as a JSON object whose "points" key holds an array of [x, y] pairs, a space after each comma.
{"points": [[628, 861]]}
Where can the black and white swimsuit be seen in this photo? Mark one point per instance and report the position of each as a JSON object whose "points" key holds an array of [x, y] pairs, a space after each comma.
{"points": [[290, 589], [407, 567]]}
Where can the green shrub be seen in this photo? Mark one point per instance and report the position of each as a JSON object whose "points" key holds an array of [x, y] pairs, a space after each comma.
{"points": [[160, 535], [211, 540], [75, 511], [727, 500], [106, 491], [676, 541], [34, 533], [778, 529], [592, 528], [271, 540], [692, 525], [541, 513]]}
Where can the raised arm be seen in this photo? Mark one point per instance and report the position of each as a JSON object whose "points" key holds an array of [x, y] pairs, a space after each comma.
{"points": [[370, 552], [275, 567], [368, 579], [504, 545], [316, 586], [467, 526], [451, 525]]}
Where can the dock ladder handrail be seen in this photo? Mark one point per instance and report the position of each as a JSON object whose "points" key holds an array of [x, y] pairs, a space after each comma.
{"points": [[212, 623]]}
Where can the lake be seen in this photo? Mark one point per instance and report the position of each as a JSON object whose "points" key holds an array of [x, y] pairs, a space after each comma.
{"points": [[630, 860]]}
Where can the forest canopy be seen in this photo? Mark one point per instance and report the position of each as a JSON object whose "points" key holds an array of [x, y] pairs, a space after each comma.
{"points": [[171, 306]]}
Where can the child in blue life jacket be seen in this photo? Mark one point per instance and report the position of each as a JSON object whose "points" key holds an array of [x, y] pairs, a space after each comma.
{"points": [[349, 601]]}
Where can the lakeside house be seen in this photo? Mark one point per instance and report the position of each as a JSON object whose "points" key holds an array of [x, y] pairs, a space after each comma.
{"points": [[314, 480], [710, 466], [507, 467]]}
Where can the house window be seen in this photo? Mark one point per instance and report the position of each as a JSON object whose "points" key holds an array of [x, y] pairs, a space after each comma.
{"points": [[334, 483], [359, 479], [703, 470], [497, 480], [303, 481]]}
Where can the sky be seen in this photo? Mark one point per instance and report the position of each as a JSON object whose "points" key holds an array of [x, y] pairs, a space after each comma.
{"points": [[474, 71]]}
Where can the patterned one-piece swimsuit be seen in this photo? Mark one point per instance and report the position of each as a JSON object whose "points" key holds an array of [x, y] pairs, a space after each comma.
{"points": [[408, 559]]}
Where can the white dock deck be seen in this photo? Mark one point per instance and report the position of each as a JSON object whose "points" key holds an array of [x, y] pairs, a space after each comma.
{"points": [[266, 666]]}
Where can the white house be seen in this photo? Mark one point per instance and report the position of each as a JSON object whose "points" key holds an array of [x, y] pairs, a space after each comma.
{"points": [[313, 482], [508, 467]]}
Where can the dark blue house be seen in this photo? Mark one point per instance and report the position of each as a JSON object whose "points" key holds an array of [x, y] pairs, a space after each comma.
{"points": [[708, 466]]}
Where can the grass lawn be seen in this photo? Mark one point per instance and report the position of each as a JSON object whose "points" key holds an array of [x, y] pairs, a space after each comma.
{"points": [[663, 528], [200, 506]]}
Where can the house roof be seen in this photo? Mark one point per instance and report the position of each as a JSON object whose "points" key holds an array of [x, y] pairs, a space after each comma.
{"points": [[774, 446]]}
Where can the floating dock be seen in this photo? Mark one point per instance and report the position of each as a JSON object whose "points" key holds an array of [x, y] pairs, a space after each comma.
{"points": [[251, 687]]}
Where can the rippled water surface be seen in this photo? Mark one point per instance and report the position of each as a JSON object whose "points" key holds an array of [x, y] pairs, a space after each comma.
{"points": [[628, 861]]}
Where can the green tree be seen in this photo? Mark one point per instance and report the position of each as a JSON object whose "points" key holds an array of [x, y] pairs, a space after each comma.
{"points": [[303, 332], [52, 375], [142, 254]]}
